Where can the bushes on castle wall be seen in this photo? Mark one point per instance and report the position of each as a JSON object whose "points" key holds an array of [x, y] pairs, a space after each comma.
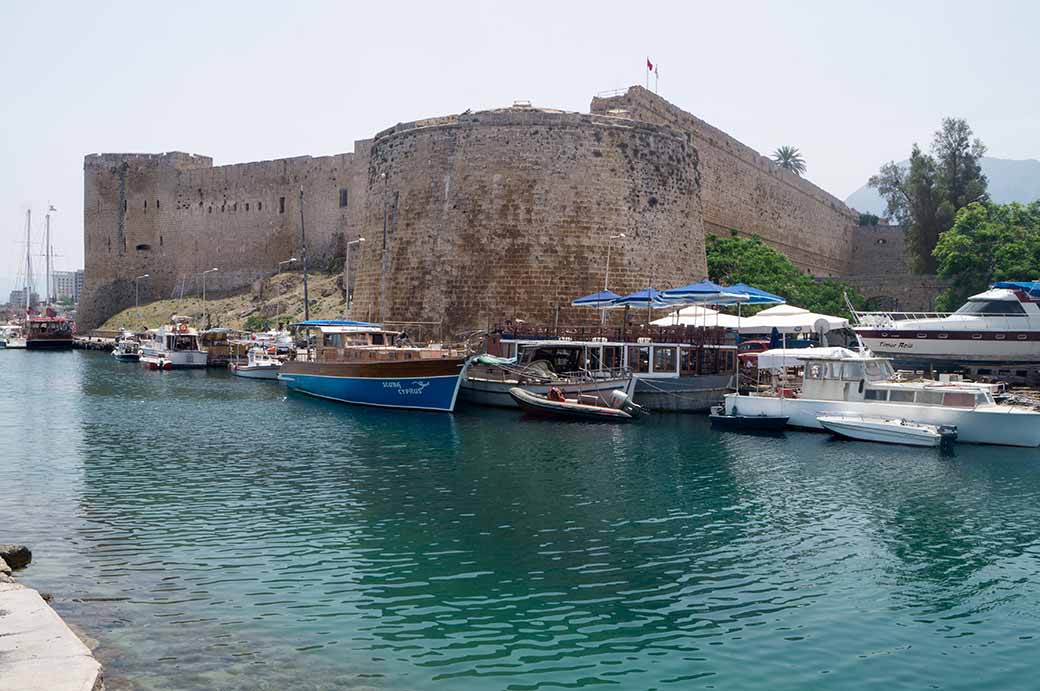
{"points": [[750, 260]]}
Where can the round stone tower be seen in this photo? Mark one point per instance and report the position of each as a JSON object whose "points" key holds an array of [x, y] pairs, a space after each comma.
{"points": [[474, 218]]}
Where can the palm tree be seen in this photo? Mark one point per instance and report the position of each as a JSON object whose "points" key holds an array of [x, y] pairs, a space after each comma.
{"points": [[789, 158]]}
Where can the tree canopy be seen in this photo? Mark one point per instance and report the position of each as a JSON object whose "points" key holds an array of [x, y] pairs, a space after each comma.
{"points": [[750, 260], [925, 195], [790, 158], [987, 243]]}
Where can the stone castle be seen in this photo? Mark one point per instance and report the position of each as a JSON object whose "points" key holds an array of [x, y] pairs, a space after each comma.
{"points": [[470, 217]]}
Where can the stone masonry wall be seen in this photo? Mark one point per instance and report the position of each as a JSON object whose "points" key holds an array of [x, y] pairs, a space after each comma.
{"points": [[174, 215], [880, 271], [508, 214], [744, 191]]}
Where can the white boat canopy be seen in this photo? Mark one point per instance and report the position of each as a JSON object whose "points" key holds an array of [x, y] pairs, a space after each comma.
{"points": [[696, 315], [779, 358], [789, 319]]}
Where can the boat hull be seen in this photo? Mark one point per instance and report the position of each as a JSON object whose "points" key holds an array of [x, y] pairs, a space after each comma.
{"points": [[180, 359], [247, 372], [926, 346], [885, 434], [127, 357], [48, 344], [431, 384], [495, 393], [981, 425], [688, 394], [543, 407]]}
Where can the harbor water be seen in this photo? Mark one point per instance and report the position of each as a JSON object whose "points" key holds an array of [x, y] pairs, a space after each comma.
{"points": [[218, 533]]}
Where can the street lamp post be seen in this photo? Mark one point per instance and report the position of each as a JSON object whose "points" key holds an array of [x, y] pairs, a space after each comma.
{"points": [[208, 271], [346, 270], [606, 274], [290, 260], [382, 268], [137, 295]]}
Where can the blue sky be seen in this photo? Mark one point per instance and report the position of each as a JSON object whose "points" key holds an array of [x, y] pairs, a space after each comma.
{"points": [[852, 84]]}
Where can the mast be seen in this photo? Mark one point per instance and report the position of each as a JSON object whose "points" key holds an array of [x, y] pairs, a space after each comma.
{"points": [[47, 253], [28, 261]]}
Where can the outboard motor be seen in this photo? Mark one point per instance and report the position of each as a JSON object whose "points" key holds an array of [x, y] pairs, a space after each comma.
{"points": [[947, 435], [620, 400]]}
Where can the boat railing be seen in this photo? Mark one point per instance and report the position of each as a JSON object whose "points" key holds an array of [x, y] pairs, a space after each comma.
{"points": [[380, 354], [1012, 321], [885, 318], [678, 334]]}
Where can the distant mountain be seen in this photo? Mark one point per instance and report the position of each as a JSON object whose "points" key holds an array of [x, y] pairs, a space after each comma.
{"points": [[1009, 181]]}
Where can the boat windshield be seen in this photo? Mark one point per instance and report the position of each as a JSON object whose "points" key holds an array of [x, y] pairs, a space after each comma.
{"points": [[1004, 308]]}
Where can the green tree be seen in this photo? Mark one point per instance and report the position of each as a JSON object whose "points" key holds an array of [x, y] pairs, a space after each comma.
{"points": [[987, 243], [925, 195], [790, 158], [752, 261]]}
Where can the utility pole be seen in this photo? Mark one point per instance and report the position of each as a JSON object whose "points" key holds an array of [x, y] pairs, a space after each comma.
{"points": [[346, 270], [303, 243], [382, 268]]}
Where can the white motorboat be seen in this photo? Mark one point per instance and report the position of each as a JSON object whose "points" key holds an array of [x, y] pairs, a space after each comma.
{"points": [[886, 430], [173, 346], [127, 350], [11, 337], [260, 364], [810, 383], [999, 326]]}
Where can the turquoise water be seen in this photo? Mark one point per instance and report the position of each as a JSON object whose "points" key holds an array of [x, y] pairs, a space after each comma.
{"points": [[213, 533]]}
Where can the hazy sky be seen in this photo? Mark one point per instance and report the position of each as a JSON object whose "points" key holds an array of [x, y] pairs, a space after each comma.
{"points": [[851, 84]]}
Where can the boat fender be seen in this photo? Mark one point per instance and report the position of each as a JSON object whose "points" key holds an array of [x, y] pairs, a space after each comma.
{"points": [[862, 383], [556, 394]]}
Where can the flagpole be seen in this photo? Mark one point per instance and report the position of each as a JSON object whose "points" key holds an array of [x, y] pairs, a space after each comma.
{"points": [[655, 78]]}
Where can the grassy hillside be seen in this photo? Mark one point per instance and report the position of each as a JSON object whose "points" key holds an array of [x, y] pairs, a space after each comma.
{"points": [[278, 299]]}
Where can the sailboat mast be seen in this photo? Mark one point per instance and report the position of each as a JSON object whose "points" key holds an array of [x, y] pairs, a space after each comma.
{"points": [[47, 255], [28, 261]]}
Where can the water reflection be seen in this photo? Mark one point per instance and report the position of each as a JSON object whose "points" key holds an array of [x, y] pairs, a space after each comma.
{"points": [[217, 533]]}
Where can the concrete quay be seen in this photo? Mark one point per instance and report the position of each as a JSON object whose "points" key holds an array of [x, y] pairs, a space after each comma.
{"points": [[37, 649]]}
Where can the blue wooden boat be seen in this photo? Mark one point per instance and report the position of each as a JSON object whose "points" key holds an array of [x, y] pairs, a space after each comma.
{"points": [[359, 363]]}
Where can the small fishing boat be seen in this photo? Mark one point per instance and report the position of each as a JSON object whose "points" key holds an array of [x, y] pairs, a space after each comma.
{"points": [[173, 346], [260, 364], [127, 350], [888, 430], [746, 423], [621, 408]]}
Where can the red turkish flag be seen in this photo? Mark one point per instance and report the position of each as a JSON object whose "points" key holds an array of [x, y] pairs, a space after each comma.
{"points": [[649, 65]]}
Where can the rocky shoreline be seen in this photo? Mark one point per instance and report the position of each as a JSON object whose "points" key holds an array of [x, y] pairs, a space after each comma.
{"points": [[37, 649]]}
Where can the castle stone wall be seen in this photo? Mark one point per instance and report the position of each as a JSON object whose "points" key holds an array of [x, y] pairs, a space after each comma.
{"points": [[174, 215], [508, 213], [743, 191]]}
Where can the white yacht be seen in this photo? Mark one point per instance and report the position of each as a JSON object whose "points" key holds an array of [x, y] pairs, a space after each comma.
{"points": [[998, 326], [173, 346], [812, 383], [11, 337]]}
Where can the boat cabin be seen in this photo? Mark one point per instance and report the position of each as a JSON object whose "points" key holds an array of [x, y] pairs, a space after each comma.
{"points": [[643, 358], [872, 379], [348, 341]]}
